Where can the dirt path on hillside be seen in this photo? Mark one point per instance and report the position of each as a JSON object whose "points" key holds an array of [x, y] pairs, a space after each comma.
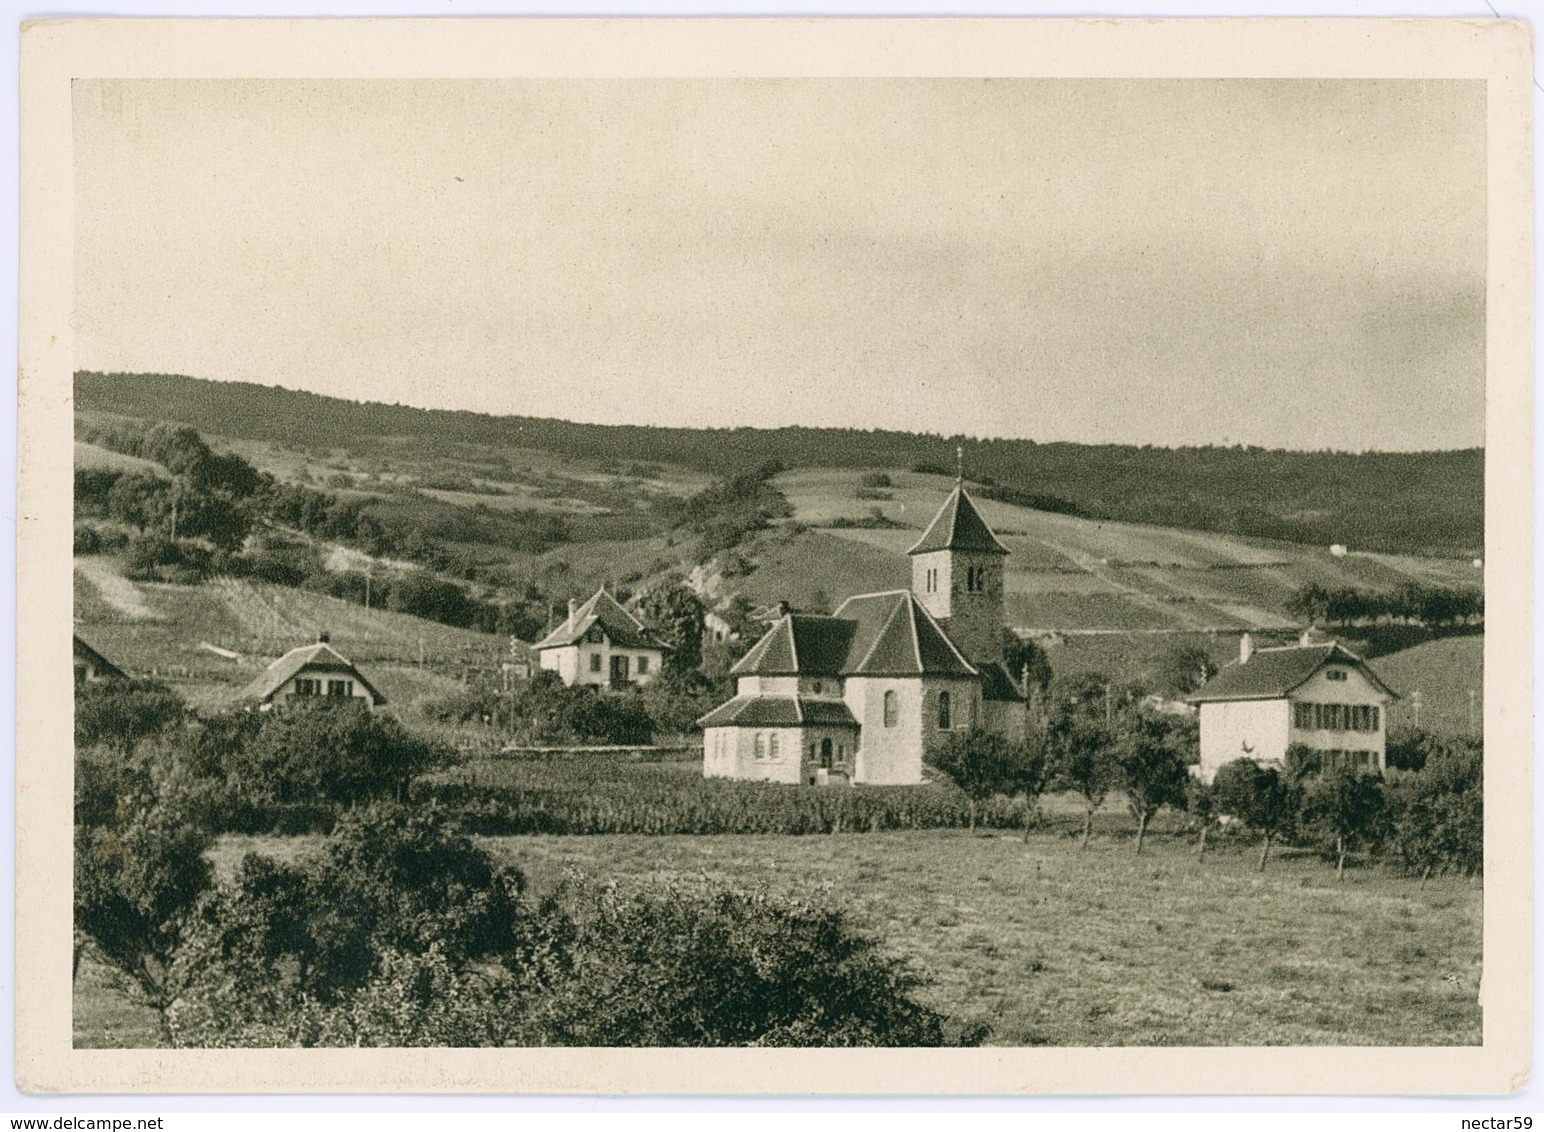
{"points": [[116, 590]]}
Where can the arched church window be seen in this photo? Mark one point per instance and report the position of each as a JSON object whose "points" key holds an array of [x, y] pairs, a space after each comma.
{"points": [[892, 709], [944, 715]]}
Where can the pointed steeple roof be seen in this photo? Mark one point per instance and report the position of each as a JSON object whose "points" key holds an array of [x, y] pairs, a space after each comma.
{"points": [[959, 526]]}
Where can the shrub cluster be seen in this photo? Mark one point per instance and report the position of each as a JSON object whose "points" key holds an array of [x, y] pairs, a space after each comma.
{"points": [[400, 931]]}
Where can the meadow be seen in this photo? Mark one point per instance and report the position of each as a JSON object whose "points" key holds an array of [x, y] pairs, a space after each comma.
{"points": [[1050, 945]]}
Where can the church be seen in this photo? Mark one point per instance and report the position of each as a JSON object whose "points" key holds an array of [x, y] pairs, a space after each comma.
{"points": [[865, 694]]}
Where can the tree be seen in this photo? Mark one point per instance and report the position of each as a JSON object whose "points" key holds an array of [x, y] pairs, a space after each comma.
{"points": [[984, 764], [1025, 659], [1150, 752], [137, 884], [675, 614], [1436, 814], [119, 713], [1183, 669], [1081, 734], [330, 749], [1256, 795], [1200, 801], [676, 699], [1340, 806]]}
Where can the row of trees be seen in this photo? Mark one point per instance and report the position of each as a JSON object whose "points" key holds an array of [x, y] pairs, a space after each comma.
{"points": [[1097, 740], [1409, 602]]}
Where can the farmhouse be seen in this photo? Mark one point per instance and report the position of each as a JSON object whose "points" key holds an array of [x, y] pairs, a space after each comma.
{"points": [[865, 694], [1319, 695], [91, 666], [308, 671], [601, 643]]}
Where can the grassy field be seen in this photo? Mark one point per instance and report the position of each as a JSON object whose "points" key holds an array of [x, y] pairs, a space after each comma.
{"points": [[1443, 672], [1049, 945]]}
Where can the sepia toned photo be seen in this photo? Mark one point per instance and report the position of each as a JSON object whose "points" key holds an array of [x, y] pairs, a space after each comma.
{"points": [[984, 563]]}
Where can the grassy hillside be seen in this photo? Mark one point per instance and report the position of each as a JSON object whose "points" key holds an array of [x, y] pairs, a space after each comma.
{"points": [[1443, 672], [1412, 502], [158, 628], [1070, 574]]}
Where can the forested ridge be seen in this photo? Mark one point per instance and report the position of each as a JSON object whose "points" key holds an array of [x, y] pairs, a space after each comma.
{"points": [[1419, 502]]}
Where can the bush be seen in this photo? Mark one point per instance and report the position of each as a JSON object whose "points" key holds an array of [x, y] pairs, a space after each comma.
{"points": [[331, 750], [1436, 815], [674, 966], [402, 932], [119, 713]]}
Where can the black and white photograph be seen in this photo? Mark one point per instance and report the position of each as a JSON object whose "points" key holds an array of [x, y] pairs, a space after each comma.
{"points": [[920, 561]]}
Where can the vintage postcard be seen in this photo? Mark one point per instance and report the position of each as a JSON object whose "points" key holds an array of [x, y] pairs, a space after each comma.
{"points": [[775, 556]]}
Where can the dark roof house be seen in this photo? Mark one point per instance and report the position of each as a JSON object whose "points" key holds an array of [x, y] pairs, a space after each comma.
{"points": [[619, 625], [1274, 673], [92, 665], [884, 634], [319, 658]]}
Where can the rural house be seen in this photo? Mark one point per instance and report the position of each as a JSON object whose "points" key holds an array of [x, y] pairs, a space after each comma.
{"points": [[91, 666], [863, 695], [1318, 695], [601, 643], [312, 670]]}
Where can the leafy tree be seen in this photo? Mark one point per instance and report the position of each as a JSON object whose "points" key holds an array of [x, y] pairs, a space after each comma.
{"points": [[119, 713], [984, 764], [1341, 806], [1082, 731], [330, 749], [1436, 814], [675, 613], [1256, 795], [1025, 658], [1200, 801], [1183, 669], [1150, 752], [136, 886], [676, 699], [141, 499]]}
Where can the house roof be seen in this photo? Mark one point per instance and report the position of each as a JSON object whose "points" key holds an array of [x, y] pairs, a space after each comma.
{"points": [[884, 634], [319, 657], [958, 526], [1273, 673], [619, 625], [96, 659], [779, 711]]}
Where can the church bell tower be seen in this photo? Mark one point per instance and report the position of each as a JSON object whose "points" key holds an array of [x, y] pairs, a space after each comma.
{"points": [[957, 575]]}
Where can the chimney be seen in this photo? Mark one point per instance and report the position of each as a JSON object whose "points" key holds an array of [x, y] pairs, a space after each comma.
{"points": [[323, 637], [783, 608], [1307, 638], [573, 608], [1245, 648]]}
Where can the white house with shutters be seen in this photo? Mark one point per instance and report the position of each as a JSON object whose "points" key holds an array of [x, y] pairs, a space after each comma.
{"points": [[310, 672], [601, 643], [1321, 696]]}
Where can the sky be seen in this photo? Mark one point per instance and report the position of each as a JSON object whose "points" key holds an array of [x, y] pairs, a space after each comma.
{"points": [[1289, 263]]}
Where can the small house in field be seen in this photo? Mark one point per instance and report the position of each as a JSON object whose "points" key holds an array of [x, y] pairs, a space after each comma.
{"points": [[91, 666], [310, 672], [1321, 696], [601, 643]]}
